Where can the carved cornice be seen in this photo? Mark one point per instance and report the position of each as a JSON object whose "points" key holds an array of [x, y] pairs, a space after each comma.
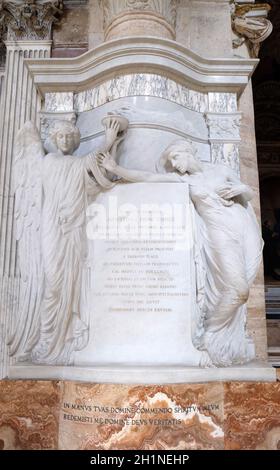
{"points": [[133, 55], [250, 23], [29, 19], [164, 8]]}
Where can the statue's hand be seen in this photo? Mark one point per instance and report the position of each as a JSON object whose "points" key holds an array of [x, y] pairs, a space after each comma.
{"points": [[120, 138], [105, 161], [112, 128], [227, 202], [230, 191]]}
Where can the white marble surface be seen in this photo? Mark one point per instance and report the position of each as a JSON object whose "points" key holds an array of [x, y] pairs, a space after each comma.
{"points": [[147, 111], [59, 102], [226, 154], [153, 124], [222, 102], [253, 372], [142, 293]]}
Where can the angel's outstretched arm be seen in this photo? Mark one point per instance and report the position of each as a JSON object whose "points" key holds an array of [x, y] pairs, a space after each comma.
{"points": [[135, 176]]}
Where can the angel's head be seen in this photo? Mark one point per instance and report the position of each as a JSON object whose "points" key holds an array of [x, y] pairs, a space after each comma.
{"points": [[65, 136]]}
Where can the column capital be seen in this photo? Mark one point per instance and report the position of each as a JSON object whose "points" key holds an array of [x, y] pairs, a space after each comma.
{"points": [[133, 17], [29, 19]]}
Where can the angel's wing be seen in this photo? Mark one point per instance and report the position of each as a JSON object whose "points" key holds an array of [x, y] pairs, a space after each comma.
{"points": [[28, 203]]}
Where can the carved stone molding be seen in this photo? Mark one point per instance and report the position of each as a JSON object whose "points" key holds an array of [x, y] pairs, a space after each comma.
{"points": [[224, 127], [121, 57], [165, 8], [29, 19], [136, 17], [250, 23]]}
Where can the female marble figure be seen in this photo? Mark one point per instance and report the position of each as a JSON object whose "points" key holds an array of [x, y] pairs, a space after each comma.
{"points": [[230, 247], [51, 195]]}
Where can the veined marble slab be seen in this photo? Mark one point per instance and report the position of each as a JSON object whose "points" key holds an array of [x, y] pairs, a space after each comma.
{"points": [[140, 84]]}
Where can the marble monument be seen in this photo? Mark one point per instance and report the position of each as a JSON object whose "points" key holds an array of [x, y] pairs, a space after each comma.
{"points": [[80, 305], [112, 270], [129, 227]]}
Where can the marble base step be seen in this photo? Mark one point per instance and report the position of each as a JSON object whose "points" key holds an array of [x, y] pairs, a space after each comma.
{"points": [[253, 372]]}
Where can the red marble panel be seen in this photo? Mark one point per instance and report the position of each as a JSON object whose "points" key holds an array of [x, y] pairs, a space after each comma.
{"points": [[252, 416], [28, 415], [52, 415], [141, 417]]}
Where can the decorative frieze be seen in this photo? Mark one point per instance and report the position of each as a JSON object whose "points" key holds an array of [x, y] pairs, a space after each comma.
{"points": [[224, 126], [29, 19], [224, 137]]}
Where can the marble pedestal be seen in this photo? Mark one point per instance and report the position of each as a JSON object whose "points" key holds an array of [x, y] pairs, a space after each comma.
{"points": [[172, 374], [67, 416]]}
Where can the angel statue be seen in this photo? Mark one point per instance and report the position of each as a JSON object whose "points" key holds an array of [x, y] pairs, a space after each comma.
{"points": [[52, 193], [227, 248]]}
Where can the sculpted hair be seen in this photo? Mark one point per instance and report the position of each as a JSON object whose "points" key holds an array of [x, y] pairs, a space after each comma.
{"points": [[181, 145], [62, 126]]}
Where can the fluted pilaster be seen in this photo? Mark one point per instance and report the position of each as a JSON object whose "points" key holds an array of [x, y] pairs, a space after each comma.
{"points": [[2, 75], [20, 103]]}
